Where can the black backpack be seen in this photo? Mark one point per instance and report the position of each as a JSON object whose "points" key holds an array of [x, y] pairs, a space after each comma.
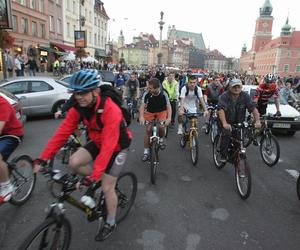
{"points": [[109, 91], [195, 90]]}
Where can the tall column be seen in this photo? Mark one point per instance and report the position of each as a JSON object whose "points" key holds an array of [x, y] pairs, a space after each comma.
{"points": [[161, 24]]}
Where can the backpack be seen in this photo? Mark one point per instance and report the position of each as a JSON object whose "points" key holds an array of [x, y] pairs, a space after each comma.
{"points": [[109, 91], [195, 91]]}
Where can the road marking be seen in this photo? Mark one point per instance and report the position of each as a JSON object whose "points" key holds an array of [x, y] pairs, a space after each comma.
{"points": [[293, 173]]}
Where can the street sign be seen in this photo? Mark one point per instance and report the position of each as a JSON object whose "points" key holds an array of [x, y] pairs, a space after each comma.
{"points": [[80, 39]]}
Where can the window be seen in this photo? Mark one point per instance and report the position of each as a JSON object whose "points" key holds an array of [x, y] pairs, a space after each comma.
{"points": [[95, 39], [68, 4], [17, 87], [37, 86], [33, 28], [51, 23], [74, 28], [43, 30], [58, 26], [32, 4], [15, 23], [288, 54], [74, 7], [90, 37], [42, 6], [297, 68], [286, 68], [23, 2], [95, 21], [24, 25], [68, 30], [90, 16]]}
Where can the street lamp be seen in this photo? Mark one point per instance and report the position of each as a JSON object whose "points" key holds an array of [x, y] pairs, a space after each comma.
{"points": [[161, 24]]}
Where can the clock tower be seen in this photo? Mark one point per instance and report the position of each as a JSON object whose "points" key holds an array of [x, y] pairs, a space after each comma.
{"points": [[263, 27]]}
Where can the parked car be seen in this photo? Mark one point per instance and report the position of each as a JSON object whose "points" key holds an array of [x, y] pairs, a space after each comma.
{"points": [[67, 79], [15, 102], [290, 117], [38, 95]]}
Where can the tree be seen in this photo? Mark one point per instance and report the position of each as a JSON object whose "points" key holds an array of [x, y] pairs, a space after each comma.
{"points": [[80, 53], [6, 40]]}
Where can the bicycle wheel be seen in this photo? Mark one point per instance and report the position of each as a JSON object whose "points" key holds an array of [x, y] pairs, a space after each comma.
{"points": [[126, 189], [269, 149], [49, 235], [298, 187], [243, 178], [194, 148], [213, 131], [153, 162], [216, 152], [23, 179], [183, 140]]}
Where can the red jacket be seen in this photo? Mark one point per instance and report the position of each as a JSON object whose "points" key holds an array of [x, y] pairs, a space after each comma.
{"points": [[106, 138]]}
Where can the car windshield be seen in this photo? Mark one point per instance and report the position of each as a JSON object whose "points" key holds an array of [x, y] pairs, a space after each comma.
{"points": [[65, 84], [10, 95], [66, 79], [282, 101]]}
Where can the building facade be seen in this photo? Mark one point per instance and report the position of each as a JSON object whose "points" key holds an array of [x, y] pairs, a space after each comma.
{"points": [[280, 55], [216, 62]]}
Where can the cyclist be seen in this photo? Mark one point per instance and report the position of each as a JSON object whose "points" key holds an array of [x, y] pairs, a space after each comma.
{"points": [[155, 105], [211, 96], [190, 97], [232, 107], [264, 92], [132, 90], [11, 132], [172, 87], [104, 146], [288, 95]]}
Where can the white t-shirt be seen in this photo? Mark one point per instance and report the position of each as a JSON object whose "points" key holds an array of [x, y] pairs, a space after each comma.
{"points": [[190, 102]]}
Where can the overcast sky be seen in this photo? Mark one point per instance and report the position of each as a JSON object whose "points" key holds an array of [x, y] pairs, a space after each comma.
{"points": [[225, 24]]}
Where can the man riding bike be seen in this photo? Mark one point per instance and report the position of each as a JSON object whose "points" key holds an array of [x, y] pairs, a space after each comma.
{"points": [[264, 92], [172, 87], [232, 107], [132, 90], [155, 105], [11, 133], [190, 97], [211, 96], [103, 147]]}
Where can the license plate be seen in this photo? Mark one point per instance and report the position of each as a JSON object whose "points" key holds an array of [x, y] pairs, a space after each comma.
{"points": [[281, 125]]}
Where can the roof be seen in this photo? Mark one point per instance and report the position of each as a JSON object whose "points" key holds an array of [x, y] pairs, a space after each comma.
{"points": [[197, 37]]}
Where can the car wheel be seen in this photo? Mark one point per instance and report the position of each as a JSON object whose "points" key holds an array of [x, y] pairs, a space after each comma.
{"points": [[58, 106]]}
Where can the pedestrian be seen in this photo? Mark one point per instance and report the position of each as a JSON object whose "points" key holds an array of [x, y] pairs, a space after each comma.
{"points": [[10, 65], [32, 66], [18, 67]]}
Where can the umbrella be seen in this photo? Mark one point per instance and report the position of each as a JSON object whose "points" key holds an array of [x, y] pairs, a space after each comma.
{"points": [[70, 57], [89, 59]]}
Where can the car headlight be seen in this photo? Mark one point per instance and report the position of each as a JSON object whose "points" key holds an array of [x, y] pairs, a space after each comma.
{"points": [[297, 118]]}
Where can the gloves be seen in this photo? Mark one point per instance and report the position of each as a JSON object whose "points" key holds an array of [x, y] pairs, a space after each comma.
{"points": [[39, 161], [87, 181], [36, 166], [278, 114]]}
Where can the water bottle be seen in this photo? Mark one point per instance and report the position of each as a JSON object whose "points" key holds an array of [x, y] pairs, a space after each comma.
{"points": [[154, 131], [88, 201]]}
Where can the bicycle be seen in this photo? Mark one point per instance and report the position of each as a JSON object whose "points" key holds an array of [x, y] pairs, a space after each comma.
{"points": [[22, 178], [55, 232], [191, 135], [236, 156], [154, 148], [132, 107], [212, 126], [73, 143], [269, 146]]}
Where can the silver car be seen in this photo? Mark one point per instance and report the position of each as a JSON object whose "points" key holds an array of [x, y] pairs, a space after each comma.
{"points": [[38, 95]]}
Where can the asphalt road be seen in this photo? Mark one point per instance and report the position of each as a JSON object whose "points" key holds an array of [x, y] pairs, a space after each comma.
{"points": [[189, 208]]}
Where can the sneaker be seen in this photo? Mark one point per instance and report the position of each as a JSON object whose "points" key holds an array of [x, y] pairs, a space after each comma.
{"points": [[179, 131], [106, 231], [6, 192], [145, 157]]}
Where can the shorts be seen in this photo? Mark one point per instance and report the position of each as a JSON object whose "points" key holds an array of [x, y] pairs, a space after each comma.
{"points": [[262, 108], [161, 116], [116, 161], [8, 144]]}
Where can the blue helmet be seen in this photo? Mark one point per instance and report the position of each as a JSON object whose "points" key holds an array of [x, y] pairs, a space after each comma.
{"points": [[84, 80]]}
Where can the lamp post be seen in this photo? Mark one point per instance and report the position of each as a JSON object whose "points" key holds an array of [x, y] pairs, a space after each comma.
{"points": [[161, 24]]}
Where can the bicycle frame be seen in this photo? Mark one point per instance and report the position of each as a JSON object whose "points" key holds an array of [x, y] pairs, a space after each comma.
{"points": [[240, 150], [193, 126]]}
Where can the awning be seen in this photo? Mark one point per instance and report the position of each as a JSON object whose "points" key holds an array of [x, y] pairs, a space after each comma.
{"points": [[47, 49], [64, 47], [100, 53]]}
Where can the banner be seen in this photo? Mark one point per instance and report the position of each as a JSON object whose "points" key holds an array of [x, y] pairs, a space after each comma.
{"points": [[5, 14], [80, 39]]}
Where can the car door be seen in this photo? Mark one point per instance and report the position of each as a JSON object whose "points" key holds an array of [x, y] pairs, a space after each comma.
{"points": [[20, 89], [40, 97]]}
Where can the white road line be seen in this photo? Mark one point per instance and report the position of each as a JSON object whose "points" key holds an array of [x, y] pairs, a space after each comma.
{"points": [[293, 173]]}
